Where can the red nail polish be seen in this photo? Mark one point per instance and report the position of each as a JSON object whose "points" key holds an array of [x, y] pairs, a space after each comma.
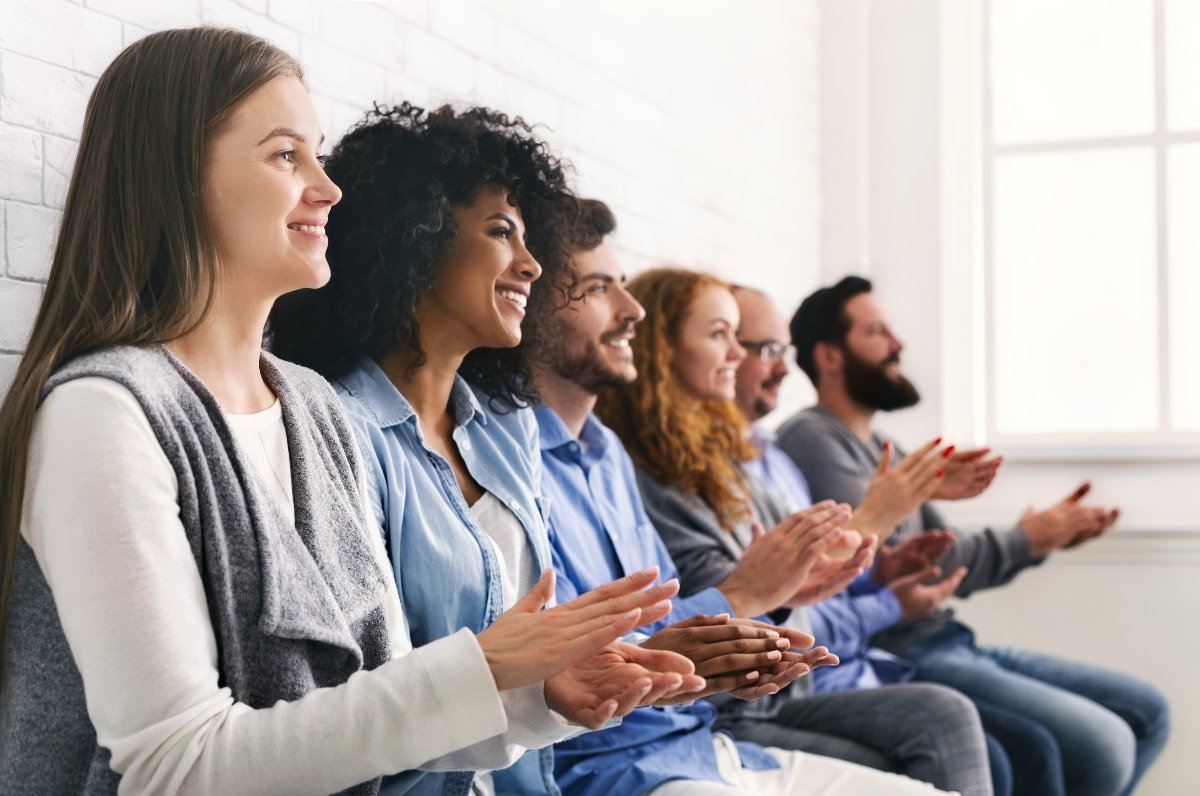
{"points": [[948, 451], [941, 473], [937, 441]]}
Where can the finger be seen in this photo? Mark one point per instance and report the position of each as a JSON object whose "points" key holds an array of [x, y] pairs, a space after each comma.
{"points": [[885, 459], [921, 454], [971, 454], [1079, 492], [736, 629], [536, 598], [950, 585], [704, 621], [655, 612], [623, 601], [757, 532], [591, 636], [616, 588], [657, 660], [596, 718]]}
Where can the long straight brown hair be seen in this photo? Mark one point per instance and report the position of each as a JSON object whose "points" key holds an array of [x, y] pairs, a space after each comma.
{"points": [[134, 262]]}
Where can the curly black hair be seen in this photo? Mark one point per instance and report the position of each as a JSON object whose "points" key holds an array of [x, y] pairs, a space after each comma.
{"points": [[402, 170]]}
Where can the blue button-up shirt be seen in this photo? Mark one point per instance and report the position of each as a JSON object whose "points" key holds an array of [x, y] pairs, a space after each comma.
{"points": [[446, 568], [600, 532], [846, 622]]}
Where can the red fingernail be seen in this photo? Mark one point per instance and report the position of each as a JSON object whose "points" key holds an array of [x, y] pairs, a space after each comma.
{"points": [[941, 473], [948, 451], [937, 441]]}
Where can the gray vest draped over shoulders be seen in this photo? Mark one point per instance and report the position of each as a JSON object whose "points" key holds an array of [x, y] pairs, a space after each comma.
{"points": [[294, 607]]}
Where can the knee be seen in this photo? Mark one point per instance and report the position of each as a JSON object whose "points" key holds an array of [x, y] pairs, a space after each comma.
{"points": [[943, 706], [1151, 721], [1109, 763]]}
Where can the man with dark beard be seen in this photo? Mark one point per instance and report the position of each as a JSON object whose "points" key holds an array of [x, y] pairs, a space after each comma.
{"points": [[599, 526], [1104, 728]]}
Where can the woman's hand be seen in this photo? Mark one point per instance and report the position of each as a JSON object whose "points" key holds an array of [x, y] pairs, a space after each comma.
{"points": [[617, 679], [779, 563], [968, 473], [831, 574], [793, 666], [526, 645], [896, 492]]}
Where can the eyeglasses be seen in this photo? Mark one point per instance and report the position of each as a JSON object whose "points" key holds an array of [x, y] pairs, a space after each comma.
{"points": [[769, 351]]}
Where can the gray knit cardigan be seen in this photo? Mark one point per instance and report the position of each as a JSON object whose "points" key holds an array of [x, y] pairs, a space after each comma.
{"points": [[293, 607]]}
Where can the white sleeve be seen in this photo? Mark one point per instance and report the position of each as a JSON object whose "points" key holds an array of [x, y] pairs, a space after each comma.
{"points": [[101, 515]]}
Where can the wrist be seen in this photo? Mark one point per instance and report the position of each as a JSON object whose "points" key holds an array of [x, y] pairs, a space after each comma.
{"points": [[867, 522], [1039, 544], [742, 603]]}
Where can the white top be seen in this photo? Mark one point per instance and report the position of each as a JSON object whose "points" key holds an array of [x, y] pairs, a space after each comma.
{"points": [[518, 567], [101, 514], [262, 437]]}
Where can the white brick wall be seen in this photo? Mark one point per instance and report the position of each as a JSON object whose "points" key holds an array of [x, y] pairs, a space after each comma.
{"points": [[696, 121]]}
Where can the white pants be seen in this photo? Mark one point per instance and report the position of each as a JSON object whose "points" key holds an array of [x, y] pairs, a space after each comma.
{"points": [[799, 774]]}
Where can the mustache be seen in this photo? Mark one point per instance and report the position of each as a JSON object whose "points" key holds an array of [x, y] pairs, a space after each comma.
{"points": [[773, 382], [894, 359], [625, 329]]}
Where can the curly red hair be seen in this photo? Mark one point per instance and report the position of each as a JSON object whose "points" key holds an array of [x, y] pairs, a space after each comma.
{"points": [[672, 435]]}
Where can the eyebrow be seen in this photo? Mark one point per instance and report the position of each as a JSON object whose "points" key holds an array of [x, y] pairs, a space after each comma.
{"points": [[605, 278], [498, 216], [725, 321], [287, 132]]}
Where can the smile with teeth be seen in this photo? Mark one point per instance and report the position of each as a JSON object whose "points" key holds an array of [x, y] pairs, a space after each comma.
{"points": [[726, 373], [618, 342], [309, 228], [514, 296]]}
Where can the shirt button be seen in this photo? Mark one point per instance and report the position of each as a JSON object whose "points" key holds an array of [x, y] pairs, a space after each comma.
{"points": [[465, 444]]}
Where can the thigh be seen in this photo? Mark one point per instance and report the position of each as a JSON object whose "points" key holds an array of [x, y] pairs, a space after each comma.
{"points": [[1030, 760], [802, 774], [895, 720], [1138, 703], [784, 736]]}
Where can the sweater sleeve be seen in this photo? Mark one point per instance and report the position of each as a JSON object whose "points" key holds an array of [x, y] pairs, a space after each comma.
{"points": [[100, 512]]}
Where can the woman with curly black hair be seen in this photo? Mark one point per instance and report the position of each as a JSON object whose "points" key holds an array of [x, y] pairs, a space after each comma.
{"points": [[435, 281]]}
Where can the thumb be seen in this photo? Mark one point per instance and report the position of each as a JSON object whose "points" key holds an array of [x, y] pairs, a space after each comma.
{"points": [[757, 532], [885, 459], [1079, 492], [536, 598], [951, 583], [913, 578]]}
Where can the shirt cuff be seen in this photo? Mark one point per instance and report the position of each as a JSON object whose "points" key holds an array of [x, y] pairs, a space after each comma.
{"points": [[710, 601], [879, 610], [1015, 544], [532, 723], [461, 681]]}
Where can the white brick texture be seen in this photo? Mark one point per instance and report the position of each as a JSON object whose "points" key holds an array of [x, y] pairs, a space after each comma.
{"points": [[697, 122]]}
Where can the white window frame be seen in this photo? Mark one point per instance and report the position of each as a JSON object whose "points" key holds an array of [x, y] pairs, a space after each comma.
{"points": [[967, 155]]}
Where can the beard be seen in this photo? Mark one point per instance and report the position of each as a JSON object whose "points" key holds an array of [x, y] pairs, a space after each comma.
{"points": [[871, 386], [583, 363]]}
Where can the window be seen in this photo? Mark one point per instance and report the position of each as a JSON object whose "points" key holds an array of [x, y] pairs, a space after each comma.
{"points": [[1091, 216]]}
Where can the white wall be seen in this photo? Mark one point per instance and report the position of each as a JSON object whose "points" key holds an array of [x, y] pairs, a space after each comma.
{"points": [[897, 181], [696, 122]]}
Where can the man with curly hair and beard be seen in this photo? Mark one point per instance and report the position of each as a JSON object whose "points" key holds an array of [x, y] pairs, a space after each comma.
{"points": [[1102, 729], [600, 529]]}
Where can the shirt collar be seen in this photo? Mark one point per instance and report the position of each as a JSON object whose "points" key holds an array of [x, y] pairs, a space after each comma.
{"points": [[760, 436], [371, 387], [553, 432]]}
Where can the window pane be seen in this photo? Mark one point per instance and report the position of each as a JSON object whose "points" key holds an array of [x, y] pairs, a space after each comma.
{"points": [[1182, 18], [1065, 69], [1183, 274], [1075, 299]]}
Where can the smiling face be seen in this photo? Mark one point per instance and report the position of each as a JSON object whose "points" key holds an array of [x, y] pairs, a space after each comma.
{"points": [[484, 277], [705, 353], [763, 330], [266, 195], [592, 333]]}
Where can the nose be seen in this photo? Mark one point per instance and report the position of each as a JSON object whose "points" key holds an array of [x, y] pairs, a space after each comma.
{"points": [[736, 352], [321, 190], [633, 311], [524, 264]]}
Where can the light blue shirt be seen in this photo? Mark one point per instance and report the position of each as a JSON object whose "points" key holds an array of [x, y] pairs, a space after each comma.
{"points": [[446, 568], [845, 622], [600, 532]]}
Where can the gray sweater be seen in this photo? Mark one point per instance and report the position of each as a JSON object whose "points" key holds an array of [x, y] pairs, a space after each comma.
{"points": [[706, 554], [839, 466], [293, 607]]}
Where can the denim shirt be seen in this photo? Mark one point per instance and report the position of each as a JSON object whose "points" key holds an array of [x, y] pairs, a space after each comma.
{"points": [[446, 569], [846, 621], [599, 531]]}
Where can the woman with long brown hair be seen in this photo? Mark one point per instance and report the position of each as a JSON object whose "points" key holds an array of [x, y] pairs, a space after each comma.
{"points": [[195, 598]]}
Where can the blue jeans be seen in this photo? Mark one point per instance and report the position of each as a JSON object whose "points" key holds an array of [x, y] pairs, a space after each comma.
{"points": [[1109, 726]]}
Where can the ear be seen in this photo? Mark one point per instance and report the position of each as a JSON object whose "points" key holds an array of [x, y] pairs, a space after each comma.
{"points": [[829, 358]]}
